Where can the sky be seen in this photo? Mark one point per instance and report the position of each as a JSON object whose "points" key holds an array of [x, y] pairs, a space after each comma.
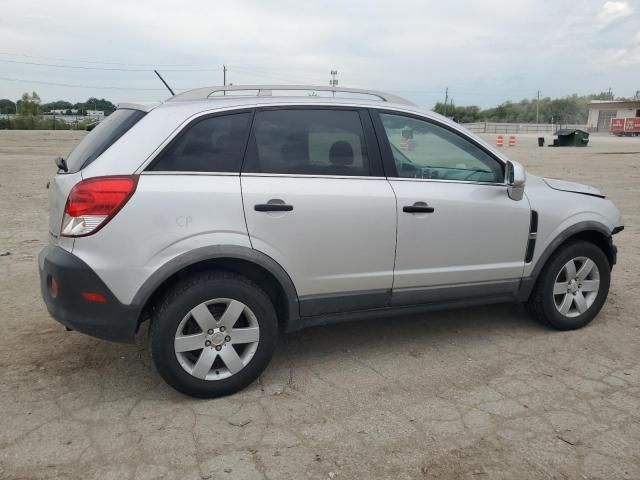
{"points": [[483, 52]]}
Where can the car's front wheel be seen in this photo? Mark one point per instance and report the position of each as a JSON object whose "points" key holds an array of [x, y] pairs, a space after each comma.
{"points": [[213, 334], [572, 287]]}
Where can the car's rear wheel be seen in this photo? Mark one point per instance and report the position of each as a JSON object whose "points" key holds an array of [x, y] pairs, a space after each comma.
{"points": [[213, 334], [572, 287]]}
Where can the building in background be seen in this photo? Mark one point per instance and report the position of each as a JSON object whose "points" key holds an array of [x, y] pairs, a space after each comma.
{"points": [[97, 115], [64, 111], [602, 111]]}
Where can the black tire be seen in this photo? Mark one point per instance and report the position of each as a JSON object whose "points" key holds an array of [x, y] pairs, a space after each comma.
{"points": [[176, 305], [541, 304]]}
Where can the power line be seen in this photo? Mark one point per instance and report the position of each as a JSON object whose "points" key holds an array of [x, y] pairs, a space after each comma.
{"points": [[114, 69], [253, 73], [58, 59], [79, 86], [241, 70], [257, 69], [73, 66]]}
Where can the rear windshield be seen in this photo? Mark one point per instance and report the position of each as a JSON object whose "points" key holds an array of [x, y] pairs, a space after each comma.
{"points": [[102, 137]]}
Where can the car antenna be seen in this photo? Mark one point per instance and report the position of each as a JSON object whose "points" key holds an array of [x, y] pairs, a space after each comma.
{"points": [[165, 83]]}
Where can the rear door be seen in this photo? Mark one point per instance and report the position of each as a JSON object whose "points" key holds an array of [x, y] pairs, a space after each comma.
{"points": [[459, 233], [316, 201]]}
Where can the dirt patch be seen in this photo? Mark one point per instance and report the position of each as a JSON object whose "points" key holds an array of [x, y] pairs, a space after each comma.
{"points": [[472, 393]]}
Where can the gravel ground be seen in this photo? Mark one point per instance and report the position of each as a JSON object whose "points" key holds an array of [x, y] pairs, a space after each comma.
{"points": [[471, 393]]}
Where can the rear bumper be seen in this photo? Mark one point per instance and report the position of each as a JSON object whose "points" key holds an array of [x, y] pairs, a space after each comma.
{"points": [[110, 320]]}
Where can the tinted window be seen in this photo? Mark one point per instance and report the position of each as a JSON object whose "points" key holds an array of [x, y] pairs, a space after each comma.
{"points": [[102, 137], [309, 142], [424, 150], [214, 144]]}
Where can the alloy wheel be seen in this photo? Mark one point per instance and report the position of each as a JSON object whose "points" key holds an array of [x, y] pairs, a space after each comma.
{"points": [[217, 339], [576, 286]]}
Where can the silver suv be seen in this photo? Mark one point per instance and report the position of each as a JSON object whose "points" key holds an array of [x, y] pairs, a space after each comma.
{"points": [[228, 216]]}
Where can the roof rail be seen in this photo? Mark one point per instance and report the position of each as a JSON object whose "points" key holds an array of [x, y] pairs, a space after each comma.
{"points": [[266, 91]]}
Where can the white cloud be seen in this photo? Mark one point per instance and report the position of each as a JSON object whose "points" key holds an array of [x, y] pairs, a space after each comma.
{"points": [[613, 11]]}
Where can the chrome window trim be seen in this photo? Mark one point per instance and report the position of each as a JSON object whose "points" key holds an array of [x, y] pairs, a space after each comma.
{"points": [[335, 177], [442, 180], [196, 173], [300, 175]]}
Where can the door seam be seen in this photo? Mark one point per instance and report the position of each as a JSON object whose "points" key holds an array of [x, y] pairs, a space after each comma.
{"points": [[395, 250]]}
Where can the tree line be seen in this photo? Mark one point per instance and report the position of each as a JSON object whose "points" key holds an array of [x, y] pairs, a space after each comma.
{"points": [[30, 113], [30, 104], [572, 109]]}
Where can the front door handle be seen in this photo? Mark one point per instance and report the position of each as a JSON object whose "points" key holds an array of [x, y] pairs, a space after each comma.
{"points": [[418, 207], [274, 205]]}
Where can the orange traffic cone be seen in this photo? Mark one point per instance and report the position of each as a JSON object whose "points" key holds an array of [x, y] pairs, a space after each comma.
{"points": [[499, 141], [512, 141]]}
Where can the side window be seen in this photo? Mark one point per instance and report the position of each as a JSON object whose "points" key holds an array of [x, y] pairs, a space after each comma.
{"points": [[424, 150], [309, 142], [214, 144]]}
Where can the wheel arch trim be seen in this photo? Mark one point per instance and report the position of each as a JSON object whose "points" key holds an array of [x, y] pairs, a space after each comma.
{"points": [[213, 252], [528, 283]]}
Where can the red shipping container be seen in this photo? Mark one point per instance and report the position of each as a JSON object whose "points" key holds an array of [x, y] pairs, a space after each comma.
{"points": [[625, 126], [632, 125], [617, 125]]}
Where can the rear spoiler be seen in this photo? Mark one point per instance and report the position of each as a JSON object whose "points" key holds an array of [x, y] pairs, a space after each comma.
{"points": [[143, 107]]}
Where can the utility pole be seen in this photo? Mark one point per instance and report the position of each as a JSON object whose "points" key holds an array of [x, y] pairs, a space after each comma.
{"points": [[610, 94], [334, 81], [224, 78], [537, 107], [446, 99]]}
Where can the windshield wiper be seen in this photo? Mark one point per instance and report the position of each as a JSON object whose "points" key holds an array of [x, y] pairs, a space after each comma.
{"points": [[61, 163]]}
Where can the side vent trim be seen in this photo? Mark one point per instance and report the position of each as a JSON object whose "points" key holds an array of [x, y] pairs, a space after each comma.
{"points": [[533, 232]]}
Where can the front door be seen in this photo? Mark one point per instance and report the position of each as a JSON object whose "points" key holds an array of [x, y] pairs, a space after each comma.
{"points": [[459, 233], [316, 201]]}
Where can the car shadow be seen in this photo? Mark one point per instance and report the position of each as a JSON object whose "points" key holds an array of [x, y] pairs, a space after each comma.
{"points": [[129, 368], [432, 327]]}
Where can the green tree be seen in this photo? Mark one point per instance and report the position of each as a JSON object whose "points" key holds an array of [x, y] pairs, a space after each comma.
{"points": [[7, 106], [57, 105], [571, 109], [96, 104], [29, 105], [466, 114]]}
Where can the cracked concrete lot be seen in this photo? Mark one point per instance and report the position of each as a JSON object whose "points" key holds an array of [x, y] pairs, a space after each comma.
{"points": [[472, 393]]}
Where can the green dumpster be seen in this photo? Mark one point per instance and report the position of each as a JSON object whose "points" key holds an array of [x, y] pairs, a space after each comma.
{"points": [[572, 137]]}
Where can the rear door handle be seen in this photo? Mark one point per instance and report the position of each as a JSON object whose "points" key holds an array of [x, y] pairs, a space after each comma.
{"points": [[418, 207], [274, 205]]}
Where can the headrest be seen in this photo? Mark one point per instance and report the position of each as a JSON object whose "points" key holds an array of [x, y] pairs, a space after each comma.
{"points": [[341, 153]]}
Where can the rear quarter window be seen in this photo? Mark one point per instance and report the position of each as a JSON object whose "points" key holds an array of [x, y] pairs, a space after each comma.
{"points": [[102, 137], [213, 144]]}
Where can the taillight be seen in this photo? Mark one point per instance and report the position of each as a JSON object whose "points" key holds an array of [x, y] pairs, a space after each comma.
{"points": [[94, 297], [93, 202], [53, 287]]}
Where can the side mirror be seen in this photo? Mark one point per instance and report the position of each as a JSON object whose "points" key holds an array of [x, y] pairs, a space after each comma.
{"points": [[516, 178]]}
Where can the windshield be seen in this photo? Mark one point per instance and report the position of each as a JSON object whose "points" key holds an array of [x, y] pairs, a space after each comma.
{"points": [[102, 137]]}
